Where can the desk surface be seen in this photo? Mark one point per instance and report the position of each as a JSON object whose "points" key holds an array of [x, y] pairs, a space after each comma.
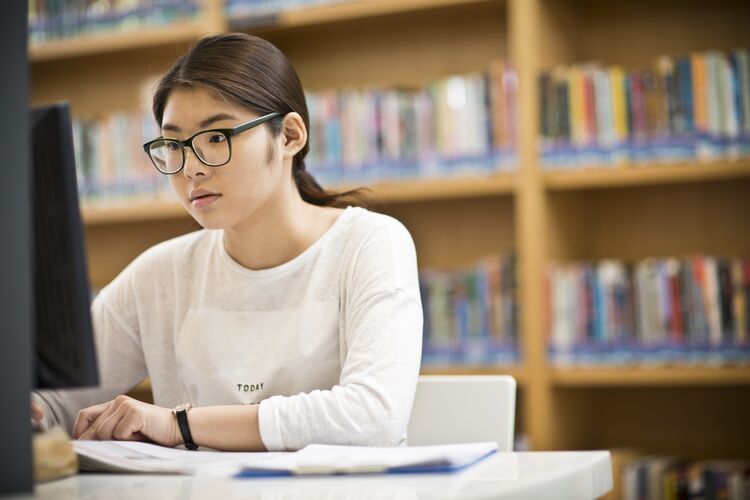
{"points": [[532, 475]]}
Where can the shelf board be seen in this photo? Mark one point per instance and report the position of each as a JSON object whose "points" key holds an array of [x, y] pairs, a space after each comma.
{"points": [[142, 391], [88, 45], [391, 192], [135, 211], [593, 178], [516, 371], [187, 31], [340, 12], [439, 189], [651, 376]]}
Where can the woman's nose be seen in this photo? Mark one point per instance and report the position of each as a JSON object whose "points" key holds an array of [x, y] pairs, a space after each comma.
{"points": [[193, 166]]}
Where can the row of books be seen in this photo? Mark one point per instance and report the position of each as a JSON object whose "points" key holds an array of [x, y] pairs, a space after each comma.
{"points": [[688, 310], [55, 19], [110, 161], [471, 314], [356, 136], [690, 107], [456, 125], [659, 477], [264, 8]]}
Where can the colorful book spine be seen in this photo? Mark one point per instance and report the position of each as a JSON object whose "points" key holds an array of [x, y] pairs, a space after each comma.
{"points": [[741, 66], [471, 314], [688, 108], [653, 477], [684, 310], [463, 124], [243, 9], [55, 19], [111, 164]]}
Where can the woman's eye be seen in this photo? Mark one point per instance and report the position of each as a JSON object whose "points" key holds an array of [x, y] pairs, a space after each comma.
{"points": [[217, 138], [173, 146]]}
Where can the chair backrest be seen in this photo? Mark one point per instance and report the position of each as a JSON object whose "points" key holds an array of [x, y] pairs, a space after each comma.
{"points": [[463, 409]]}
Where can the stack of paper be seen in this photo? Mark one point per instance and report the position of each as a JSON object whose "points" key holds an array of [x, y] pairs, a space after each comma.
{"points": [[125, 456], [129, 456]]}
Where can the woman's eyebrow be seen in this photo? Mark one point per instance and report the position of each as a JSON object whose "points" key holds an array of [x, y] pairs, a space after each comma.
{"points": [[205, 123]]}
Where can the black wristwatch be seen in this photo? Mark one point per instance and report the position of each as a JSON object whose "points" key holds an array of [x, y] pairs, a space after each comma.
{"points": [[180, 412]]}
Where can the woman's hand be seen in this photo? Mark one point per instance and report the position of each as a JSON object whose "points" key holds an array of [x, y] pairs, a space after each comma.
{"points": [[37, 413], [127, 419]]}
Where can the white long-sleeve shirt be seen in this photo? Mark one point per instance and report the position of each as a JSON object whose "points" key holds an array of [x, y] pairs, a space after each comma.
{"points": [[329, 343]]}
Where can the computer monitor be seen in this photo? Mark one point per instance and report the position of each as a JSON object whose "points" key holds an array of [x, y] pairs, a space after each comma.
{"points": [[65, 354]]}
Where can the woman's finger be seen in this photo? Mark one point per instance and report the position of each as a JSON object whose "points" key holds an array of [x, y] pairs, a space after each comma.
{"points": [[88, 416], [129, 427], [104, 425], [37, 412]]}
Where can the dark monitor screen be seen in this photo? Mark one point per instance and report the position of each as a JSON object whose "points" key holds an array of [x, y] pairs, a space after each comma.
{"points": [[65, 354]]}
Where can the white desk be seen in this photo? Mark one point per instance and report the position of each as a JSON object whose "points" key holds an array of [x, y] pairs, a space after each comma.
{"points": [[528, 475]]}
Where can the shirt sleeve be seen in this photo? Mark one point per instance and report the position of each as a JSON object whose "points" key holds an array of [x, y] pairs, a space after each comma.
{"points": [[372, 403], [120, 362]]}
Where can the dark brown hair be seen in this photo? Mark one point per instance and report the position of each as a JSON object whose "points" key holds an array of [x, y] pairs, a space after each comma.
{"points": [[253, 73]]}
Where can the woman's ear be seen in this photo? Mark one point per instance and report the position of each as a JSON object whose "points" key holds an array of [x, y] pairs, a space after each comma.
{"points": [[294, 134]]}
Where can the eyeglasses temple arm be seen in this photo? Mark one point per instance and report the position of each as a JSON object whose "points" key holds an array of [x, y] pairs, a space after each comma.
{"points": [[254, 123]]}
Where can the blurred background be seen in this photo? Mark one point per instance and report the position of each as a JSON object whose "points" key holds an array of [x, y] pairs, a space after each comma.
{"points": [[575, 174]]}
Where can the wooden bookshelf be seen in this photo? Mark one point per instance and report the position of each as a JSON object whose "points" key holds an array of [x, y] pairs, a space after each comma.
{"points": [[646, 175], [652, 377], [342, 12], [131, 211], [635, 212], [516, 371], [384, 192], [142, 392], [441, 189], [561, 216], [95, 44], [190, 30]]}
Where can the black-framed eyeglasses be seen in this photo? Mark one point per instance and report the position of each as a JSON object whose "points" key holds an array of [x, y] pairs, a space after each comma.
{"points": [[212, 147]]}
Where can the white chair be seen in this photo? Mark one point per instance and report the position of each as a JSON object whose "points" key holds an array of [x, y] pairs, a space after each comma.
{"points": [[463, 409]]}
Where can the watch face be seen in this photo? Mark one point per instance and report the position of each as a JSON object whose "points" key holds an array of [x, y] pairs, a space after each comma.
{"points": [[183, 406]]}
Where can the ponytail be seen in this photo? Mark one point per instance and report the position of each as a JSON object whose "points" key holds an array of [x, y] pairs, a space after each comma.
{"points": [[313, 193]]}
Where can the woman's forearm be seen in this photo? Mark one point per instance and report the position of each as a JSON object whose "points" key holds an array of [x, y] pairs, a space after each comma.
{"points": [[226, 428]]}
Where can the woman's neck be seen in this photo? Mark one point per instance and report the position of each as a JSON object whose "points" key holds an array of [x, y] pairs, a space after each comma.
{"points": [[280, 231]]}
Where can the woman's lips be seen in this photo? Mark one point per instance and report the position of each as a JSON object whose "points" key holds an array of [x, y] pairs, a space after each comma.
{"points": [[204, 201]]}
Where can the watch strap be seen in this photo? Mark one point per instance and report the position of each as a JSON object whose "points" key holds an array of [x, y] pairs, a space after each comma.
{"points": [[182, 422]]}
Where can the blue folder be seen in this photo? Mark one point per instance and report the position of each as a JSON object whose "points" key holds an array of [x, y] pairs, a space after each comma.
{"points": [[326, 460]]}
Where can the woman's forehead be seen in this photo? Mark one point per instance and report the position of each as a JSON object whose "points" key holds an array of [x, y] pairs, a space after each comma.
{"points": [[187, 100], [189, 107]]}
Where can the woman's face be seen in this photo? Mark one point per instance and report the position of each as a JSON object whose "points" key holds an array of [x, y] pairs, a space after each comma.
{"points": [[222, 197]]}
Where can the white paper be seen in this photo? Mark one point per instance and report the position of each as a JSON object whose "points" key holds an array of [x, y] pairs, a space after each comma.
{"points": [[131, 456]]}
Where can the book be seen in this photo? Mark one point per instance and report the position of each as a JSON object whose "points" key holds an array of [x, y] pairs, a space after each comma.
{"points": [[458, 125], [675, 477], [656, 310], [52, 20], [471, 313], [689, 107]]}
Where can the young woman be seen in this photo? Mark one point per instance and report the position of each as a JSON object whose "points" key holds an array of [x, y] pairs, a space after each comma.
{"points": [[292, 318]]}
